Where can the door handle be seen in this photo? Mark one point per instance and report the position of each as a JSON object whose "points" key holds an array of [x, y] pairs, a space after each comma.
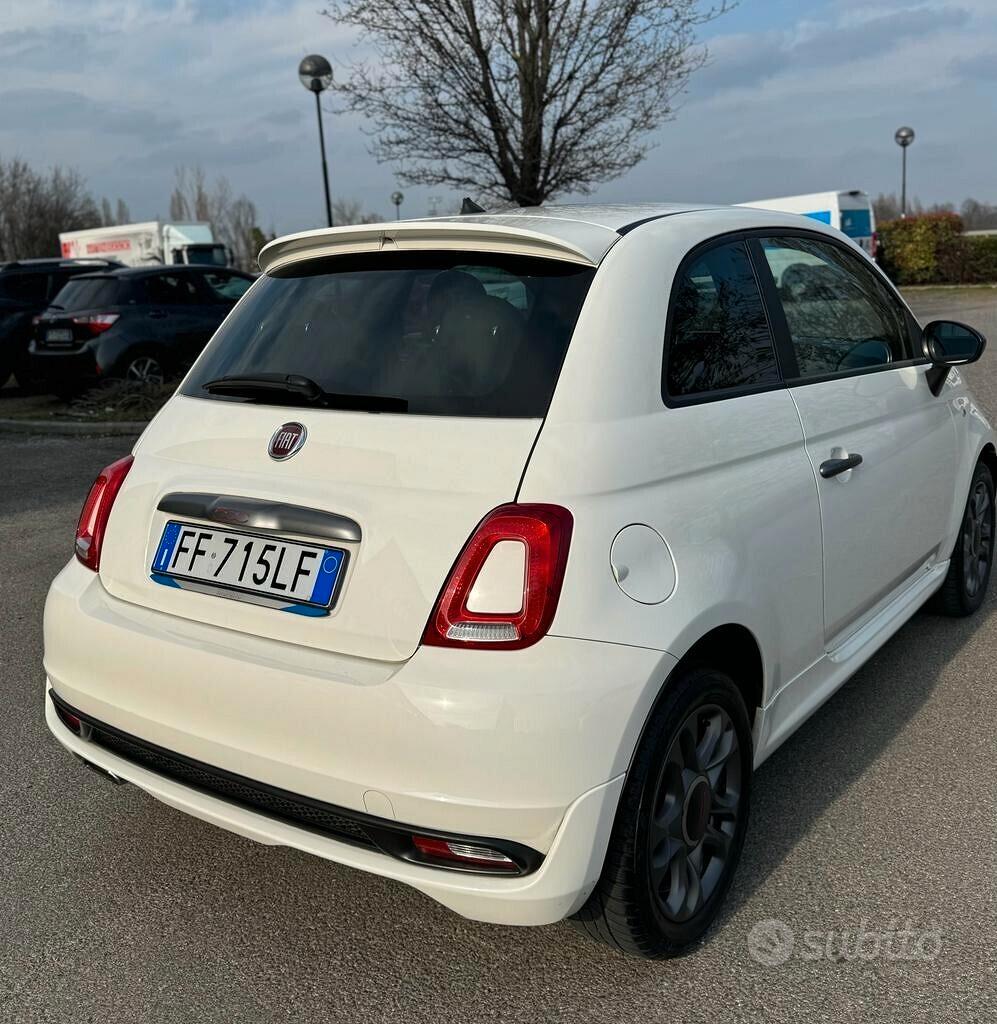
{"points": [[833, 467]]}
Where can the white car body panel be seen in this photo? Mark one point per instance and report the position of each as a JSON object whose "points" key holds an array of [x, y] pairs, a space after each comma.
{"points": [[899, 428], [531, 745], [417, 492]]}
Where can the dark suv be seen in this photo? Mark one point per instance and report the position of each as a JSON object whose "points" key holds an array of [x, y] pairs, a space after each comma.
{"points": [[26, 288], [142, 324]]}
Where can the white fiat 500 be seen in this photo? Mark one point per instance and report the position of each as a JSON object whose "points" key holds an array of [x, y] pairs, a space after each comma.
{"points": [[492, 554]]}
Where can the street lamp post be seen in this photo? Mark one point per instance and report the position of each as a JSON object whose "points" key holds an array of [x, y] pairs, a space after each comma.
{"points": [[315, 73], [397, 198], [903, 137]]}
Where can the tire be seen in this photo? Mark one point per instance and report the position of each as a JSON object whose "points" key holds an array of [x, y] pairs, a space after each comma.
{"points": [[965, 586], [142, 367], [638, 905]]}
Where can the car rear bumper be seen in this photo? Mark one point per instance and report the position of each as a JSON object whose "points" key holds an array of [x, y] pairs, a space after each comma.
{"points": [[70, 366], [527, 747]]}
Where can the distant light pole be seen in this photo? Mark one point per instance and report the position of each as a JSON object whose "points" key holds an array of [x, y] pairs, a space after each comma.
{"points": [[903, 137], [397, 198], [315, 73]]}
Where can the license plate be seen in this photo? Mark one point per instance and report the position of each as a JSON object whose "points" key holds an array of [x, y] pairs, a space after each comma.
{"points": [[59, 334], [248, 563]]}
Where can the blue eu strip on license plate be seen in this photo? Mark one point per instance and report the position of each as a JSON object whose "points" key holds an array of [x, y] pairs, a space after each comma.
{"points": [[304, 576]]}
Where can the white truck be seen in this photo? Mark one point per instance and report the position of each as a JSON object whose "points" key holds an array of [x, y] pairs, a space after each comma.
{"points": [[850, 212], [150, 243]]}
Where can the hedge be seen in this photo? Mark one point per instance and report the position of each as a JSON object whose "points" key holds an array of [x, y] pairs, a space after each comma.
{"points": [[932, 249]]}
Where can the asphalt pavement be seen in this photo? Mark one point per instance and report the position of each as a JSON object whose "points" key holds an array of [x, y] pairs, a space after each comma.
{"points": [[866, 891]]}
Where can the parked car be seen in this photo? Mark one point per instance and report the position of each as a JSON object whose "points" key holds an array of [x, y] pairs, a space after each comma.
{"points": [[26, 288], [495, 559], [139, 324]]}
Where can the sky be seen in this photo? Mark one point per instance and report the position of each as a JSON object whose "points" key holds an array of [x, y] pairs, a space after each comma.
{"points": [[798, 96]]}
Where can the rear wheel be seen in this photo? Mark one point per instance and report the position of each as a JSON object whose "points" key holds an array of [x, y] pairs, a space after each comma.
{"points": [[143, 368], [681, 822], [965, 586]]}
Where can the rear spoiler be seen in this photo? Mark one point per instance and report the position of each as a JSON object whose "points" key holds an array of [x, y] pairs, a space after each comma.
{"points": [[434, 235]]}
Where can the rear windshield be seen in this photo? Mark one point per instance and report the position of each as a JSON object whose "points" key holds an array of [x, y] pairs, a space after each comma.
{"points": [[88, 293], [452, 334]]}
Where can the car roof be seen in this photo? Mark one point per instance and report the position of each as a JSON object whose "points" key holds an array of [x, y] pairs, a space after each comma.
{"points": [[577, 234], [47, 262], [130, 273]]}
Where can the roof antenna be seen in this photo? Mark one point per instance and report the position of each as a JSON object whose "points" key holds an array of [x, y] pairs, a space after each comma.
{"points": [[470, 206]]}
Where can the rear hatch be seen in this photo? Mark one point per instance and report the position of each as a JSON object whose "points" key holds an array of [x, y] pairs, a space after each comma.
{"points": [[84, 308], [418, 381]]}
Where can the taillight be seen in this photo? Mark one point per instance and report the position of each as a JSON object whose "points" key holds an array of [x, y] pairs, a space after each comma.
{"points": [[96, 323], [520, 582], [97, 509], [69, 720], [450, 853]]}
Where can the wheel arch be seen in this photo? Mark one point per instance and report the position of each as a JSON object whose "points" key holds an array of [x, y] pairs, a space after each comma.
{"points": [[988, 456], [731, 648], [132, 350]]}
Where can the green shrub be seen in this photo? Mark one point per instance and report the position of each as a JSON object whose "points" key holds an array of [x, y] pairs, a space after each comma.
{"points": [[932, 250], [921, 250], [973, 261]]}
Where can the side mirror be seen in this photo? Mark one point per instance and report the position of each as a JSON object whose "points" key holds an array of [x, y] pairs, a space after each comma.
{"points": [[949, 343]]}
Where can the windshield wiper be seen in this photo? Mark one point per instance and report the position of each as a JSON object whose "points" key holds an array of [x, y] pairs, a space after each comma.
{"points": [[295, 389]]}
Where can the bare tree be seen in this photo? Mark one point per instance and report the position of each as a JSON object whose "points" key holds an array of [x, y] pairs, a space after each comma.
{"points": [[233, 220], [977, 216], [520, 100], [121, 212], [35, 206], [886, 207], [350, 211]]}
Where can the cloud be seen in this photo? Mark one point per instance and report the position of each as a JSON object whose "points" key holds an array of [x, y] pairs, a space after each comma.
{"points": [[61, 110], [979, 67], [744, 60]]}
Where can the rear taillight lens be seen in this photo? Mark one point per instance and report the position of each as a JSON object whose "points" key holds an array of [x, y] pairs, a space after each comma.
{"points": [[69, 720], [451, 853], [514, 607], [96, 323], [97, 509]]}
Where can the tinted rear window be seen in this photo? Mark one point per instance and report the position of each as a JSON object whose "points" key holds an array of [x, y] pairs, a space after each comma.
{"points": [[453, 334], [89, 293]]}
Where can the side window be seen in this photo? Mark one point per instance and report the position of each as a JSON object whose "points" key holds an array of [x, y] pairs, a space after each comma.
{"points": [[172, 290], [840, 316], [225, 287], [720, 338]]}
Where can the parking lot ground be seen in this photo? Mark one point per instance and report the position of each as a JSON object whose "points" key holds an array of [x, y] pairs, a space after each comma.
{"points": [[879, 816]]}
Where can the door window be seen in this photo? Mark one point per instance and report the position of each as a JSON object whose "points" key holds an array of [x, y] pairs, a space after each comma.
{"points": [[225, 287], [720, 338], [172, 290], [840, 317]]}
